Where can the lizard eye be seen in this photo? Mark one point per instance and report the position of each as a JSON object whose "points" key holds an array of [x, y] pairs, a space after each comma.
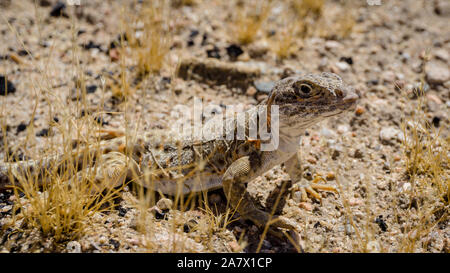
{"points": [[302, 89]]}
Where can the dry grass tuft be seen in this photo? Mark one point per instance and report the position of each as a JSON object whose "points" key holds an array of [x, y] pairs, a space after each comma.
{"points": [[147, 35], [249, 18], [308, 7], [427, 172]]}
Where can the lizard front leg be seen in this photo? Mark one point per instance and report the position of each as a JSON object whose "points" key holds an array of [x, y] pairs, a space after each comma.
{"points": [[233, 181], [294, 169]]}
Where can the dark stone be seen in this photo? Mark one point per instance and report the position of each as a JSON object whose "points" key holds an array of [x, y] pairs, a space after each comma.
{"points": [[213, 53], [348, 60], [58, 10], [186, 228], [373, 82], [22, 126], [166, 80], [122, 211], [436, 121], [159, 215], [43, 133], [101, 121], [6, 87], [22, 52], [45, 3], [114, 243], [91, 45], [204, 39], [91, 89], [381, 223], [193, 33], [234, 51]]}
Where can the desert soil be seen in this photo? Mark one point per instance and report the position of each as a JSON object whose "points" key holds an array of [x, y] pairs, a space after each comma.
{"points": [[390, 50]]}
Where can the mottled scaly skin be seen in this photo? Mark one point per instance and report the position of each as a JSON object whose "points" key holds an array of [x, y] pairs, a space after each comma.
{"points": [[172, 164]]}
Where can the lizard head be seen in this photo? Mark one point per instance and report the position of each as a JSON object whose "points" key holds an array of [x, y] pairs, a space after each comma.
{"points": [[307, 99]]}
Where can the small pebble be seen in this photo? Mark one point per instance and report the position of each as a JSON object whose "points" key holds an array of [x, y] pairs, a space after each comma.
{"points": [[330, 176], [6, 86], [359, 110], [436, 73], [251, 91], [58, 10], [164, 204], [73, 247], [343, 66], [306, 206], [373, 247], [234, 51]]}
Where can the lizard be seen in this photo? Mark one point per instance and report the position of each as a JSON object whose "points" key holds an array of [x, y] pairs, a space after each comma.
{"points": [[172, 165]]}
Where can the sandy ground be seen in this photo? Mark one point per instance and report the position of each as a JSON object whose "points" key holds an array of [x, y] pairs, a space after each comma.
{"points": [[390, 49]]}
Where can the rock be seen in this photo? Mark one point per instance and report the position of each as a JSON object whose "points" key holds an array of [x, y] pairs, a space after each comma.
{"points": [[297, 196], [6, 87], [436, 121], [442, 54], [343, 66], [215, 72], [306, 206], [258, 49], [5, 3], [213, 53], [91, 89], [114, 243], [342, 128], [359, 110], [323, 63], [348, 60], [332, 45], [330, 176], [355, 202], [45, 3], [389, 134], [373, 247], [164, 204], [21, 127], [311, 160], [381, 223], [336, 150], [406, 187], [73, 247], [388, 76], [442, 7], [327, 133], [264, 87], [436, 73], [44, 133], [251, 91], [58, 10], [405, 57], [234, 51], [358, 154]]}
